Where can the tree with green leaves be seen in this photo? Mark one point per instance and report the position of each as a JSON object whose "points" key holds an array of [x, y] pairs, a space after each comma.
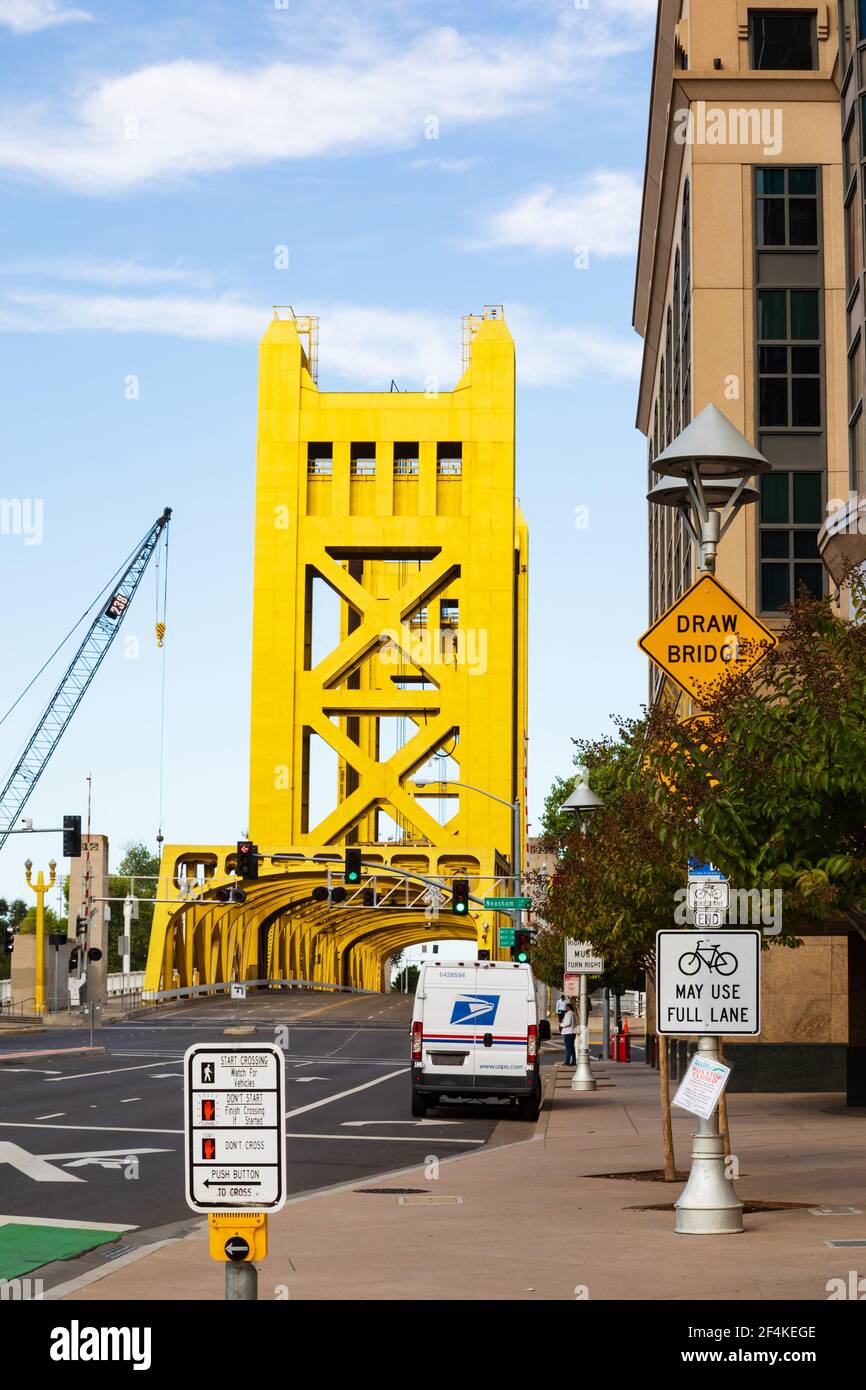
{"points": [[11, 914], [137, 860]]}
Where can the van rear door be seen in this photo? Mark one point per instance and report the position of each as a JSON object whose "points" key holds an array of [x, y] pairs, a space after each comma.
{"points": [[448, 1032], [500, 1050]]}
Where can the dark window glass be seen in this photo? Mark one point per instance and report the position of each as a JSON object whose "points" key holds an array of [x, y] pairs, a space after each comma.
{"points": [[803, 181], [773, 313], [805, 544], [804, 314], [806, 360], [775, 545], [773, 361], [861, 19], [771, 225], [805, 401], [783, 39], [774, 499], [803, 217], [775, 587], [771, 181], [811, 577], [774, 401], [807, 499]]}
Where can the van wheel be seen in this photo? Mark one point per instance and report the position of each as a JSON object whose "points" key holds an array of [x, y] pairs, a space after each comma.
{"points": [[419, 1105], [529, 1107]]}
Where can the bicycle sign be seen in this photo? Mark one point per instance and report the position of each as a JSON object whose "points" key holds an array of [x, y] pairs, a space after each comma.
{"points": [[708, 984]]}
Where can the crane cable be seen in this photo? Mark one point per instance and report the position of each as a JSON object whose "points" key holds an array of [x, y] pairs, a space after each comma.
{"points": [[160, 642]]}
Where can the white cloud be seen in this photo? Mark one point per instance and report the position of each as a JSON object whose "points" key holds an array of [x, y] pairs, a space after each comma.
{"points": [[115, 274], [185, 117], [28, 16], [359, 343], [444, 166], [602, 212]]}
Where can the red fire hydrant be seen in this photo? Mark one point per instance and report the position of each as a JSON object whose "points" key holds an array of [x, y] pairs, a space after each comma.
{"points": [[620, 1044]]}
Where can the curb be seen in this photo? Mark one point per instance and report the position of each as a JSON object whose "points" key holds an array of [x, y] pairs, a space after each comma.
{"points": [[6, 1057]]}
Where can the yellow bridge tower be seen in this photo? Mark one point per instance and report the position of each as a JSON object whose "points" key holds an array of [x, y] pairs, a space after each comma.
{"points": [[388, 678]]}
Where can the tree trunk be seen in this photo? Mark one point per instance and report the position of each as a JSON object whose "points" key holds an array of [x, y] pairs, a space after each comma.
{"points": [[667, 1125]]}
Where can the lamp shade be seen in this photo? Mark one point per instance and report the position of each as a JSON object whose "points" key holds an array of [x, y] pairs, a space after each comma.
{"points": [[713, 446]]}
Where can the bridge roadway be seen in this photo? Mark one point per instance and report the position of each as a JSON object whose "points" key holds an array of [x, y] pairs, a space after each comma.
{"points": [[347, 1108]]}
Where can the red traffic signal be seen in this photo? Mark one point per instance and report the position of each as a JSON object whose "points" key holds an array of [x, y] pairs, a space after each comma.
{"points": [[248, 859]]}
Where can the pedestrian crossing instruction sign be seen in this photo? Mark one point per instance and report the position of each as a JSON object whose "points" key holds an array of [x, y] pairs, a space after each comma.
{"points": [[234, 1127], [705, 635]]}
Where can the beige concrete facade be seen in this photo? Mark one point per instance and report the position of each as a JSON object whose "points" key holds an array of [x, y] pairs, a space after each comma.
{"points": [[704, 258]]}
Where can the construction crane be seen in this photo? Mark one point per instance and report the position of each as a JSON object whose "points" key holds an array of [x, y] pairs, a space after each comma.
{"points": [[75, 683]]}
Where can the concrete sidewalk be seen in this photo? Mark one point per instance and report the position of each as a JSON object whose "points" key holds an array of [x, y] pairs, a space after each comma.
{"points": [[525, 1220]]}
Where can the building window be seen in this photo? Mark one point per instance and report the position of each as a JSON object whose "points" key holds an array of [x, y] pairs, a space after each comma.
{"points": [[669, 406], [783, 39], [677, 346], [320, 460], [449, 460], [791, 516], [789, 359], [787, 207], [363, 461], [847, 35], [686, 243], [406, 460], [661, 407]]}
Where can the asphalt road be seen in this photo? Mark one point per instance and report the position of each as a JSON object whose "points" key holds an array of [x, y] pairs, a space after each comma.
{"points": [[99, 1138]]}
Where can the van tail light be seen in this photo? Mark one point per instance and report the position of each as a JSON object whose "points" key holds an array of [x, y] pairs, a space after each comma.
{"points": [[416, 1041], [532, 1045]]}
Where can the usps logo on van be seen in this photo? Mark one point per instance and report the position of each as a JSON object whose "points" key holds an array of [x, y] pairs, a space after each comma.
{"points": [[475, 1008]]}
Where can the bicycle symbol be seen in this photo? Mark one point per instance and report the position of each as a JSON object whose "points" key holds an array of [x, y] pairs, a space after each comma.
{"points": [[722, 962]]}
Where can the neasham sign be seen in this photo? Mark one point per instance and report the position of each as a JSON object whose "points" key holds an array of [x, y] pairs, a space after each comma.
{"points": [[701, 1088], [708, 983], [581, 958]]}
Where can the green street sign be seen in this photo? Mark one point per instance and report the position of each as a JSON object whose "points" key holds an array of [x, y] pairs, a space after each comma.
{"points": [[508, 904], [506, 936]]}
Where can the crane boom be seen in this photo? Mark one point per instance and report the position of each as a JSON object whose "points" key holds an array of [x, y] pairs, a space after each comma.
{"points": [[75, 683]]}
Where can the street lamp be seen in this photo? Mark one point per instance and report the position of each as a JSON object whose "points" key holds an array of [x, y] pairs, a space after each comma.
{"points": [[583, 804], [514, 808], [705, 475]]}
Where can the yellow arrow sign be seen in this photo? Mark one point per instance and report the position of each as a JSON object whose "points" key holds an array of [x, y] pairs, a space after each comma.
{"points": [[706, 635]]}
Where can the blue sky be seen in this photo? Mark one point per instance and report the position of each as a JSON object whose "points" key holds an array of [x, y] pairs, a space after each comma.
{"points": [[152, 159]]}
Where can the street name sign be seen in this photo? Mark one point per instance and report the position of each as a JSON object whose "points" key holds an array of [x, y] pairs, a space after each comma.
{"points": [[705, 635], [506, 936], [234, 1127], [581, 958], [507, 904], [708, 984], [701, 1088]]}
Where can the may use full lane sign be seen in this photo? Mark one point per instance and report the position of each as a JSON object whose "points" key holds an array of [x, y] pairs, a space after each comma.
{"points": [[708, 983], [234, 1126]]}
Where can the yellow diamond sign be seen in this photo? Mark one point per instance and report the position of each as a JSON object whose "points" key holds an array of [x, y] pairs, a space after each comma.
{"points": [[705, 636]]}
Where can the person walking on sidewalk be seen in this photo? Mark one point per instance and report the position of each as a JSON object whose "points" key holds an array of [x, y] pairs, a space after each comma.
{"points": [[568, 1029], [561, 1006]]}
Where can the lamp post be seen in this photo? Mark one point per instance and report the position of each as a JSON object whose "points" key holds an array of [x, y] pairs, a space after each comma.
{"points": [[583, 803], [705, 476], [40, 888], [514, 808]]}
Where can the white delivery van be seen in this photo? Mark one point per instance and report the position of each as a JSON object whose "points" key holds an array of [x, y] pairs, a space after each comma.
{"points": [[476, 1033]]}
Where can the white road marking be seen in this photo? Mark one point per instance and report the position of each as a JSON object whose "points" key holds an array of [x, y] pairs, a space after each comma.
{"points": [[387, 1139], [130, 1151], [130, 1100], [359, 1124], [66, 1225], [55, 1115], [302, 1080], [329, 1100], [33, 1166], [109, 1071], [107, 1129], [164, 1075], [43, 1071]]}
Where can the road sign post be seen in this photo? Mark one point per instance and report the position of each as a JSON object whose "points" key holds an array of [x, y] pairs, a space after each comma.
{"points": [[235, 1150], [582, 960]]}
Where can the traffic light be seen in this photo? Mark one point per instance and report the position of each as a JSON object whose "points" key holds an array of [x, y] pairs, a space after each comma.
{"points": [[231, 895], [9, 938], [522, 943], [353, 866], [248, 859], [460, 897], [72, 837]]}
